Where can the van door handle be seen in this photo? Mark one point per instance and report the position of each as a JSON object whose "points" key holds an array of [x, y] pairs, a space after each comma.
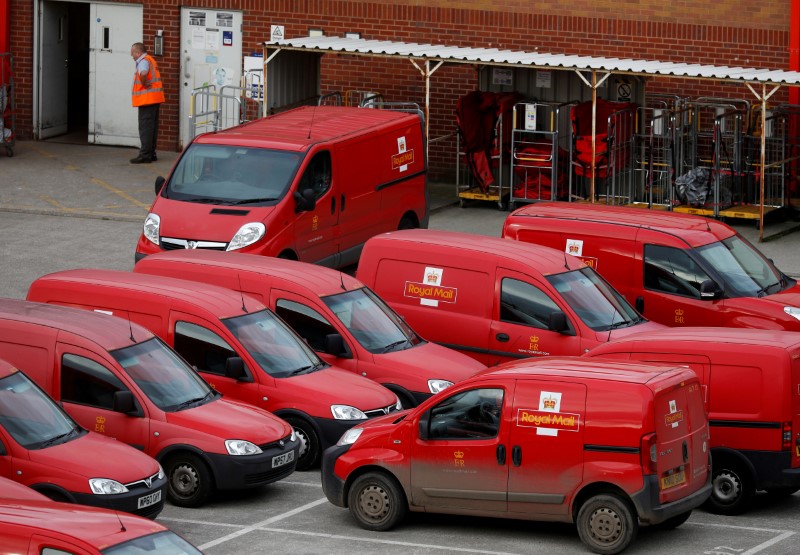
{"points": [[333, 204], [342, 203], [501, 454], [516, 455], [639, 305], [502, 337]]}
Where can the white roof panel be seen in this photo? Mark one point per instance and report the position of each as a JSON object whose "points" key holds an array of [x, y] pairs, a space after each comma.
{"points": [[494, 56]]}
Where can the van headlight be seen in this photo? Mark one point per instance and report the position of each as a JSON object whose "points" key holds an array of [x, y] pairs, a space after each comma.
{"points": [[161, 472], [792, 311], [438, 385], [346, 412], [241, 447], [152, 228], [106, 486], [247, 235], [350, 436]]}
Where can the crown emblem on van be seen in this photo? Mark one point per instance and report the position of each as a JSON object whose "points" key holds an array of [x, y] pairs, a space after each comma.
{"points": [[573, 249], [458, 454], [549, 403], [432, 277], [100, 419], [679, 312]]}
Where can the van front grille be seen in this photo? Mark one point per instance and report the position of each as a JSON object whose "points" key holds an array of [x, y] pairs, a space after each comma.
{"points": [[380, 412], [171, 244]]}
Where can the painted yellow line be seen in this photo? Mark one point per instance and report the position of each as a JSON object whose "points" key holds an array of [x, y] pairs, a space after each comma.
{"points": [[121, 193], [55, 203]]}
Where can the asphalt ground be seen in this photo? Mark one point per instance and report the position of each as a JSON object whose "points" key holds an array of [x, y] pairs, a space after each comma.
{"points": [[71, 206]]}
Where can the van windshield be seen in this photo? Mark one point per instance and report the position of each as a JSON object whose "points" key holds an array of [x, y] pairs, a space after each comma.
{"points": [[163, 543], [163, 376], [593, 300], [275, 347], [32, 418], [744, 270], [230, 175], [373, 324]]}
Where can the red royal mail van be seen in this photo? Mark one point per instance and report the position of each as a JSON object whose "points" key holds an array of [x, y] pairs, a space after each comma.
{"points": [[311, 184], [751, 381], [45, 449], [493, 299], [677, 269], [237, 344], [117, 378], [346, 323], [605, 445]]}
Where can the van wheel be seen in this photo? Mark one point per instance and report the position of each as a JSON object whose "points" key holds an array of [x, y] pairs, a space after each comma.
{"points": [[309, 443], [606, 524], [377, 502], [674, 522], [407, 223], [732, 489], [190, 480]]}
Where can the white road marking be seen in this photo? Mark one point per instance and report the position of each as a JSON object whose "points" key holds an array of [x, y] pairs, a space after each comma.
{"points": [[783, 534]]}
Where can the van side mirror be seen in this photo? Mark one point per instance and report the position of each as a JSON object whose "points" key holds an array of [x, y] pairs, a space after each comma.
{"points": [[159, 183], [234, 369], [557, 322], [123, 402], [424, 426], [306, 200], [334, 345], [709, 290]]}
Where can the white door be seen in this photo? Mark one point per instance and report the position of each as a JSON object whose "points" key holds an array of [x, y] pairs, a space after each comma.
{"points": [[113, 28], [54, 56], [211, 61]]}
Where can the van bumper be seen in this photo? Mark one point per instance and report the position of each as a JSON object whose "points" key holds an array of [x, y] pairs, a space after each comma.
{"points": [[246, 471], [127, 502], [330, 430], [332, 485], [773, 469], [653, 512]]}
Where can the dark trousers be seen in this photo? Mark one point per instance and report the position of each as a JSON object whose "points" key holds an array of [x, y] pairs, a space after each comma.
{"points": [[148, 130]]}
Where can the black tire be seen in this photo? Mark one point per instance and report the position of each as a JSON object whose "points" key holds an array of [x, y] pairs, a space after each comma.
{"points": [[377, 502], [189, 480], [606, 524], [674, 522], [732, 488], [287, 255], [407, 223], [309, 443]]}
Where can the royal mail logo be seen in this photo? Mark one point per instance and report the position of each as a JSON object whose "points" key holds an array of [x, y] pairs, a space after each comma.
{"points": [[100, 419], [458, 454], [573, 249], [589, 261], [402, 159], [432, 277], [679, 312], [430, 292], [567, 421], [549, 403], [674, 418]]}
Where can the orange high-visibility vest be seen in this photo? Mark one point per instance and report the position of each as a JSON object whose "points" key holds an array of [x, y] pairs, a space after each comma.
{"points": [[153, 92]]}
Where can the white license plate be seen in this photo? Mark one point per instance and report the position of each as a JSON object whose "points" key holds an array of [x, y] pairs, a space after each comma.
{"points": [[281, 460], [147, 500]]}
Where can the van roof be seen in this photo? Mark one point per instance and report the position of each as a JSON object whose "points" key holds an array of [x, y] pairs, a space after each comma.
{"points": [[545, 259], [694, 228], [582, 368], [110, 333], [97, 526], [320, 280], [302, 127], [222, 302], [737, 336]]}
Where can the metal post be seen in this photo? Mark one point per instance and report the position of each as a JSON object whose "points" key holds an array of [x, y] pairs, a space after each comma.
{"points": [[594, 132]]}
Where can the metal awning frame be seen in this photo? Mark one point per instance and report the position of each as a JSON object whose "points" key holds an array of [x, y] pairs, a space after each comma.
{"points": [[421, 56]]}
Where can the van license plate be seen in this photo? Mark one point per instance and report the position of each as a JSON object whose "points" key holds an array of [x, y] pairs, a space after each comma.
{"points": [[673, 480], [147, 500], [281, 460]]}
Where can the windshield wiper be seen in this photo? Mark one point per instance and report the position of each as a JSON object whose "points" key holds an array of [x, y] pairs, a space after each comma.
{"points": [[393, 346], [252, 200], [308, 369], [190, 402], [52, 440], [620, 324], [206, 200], [765, 290]]}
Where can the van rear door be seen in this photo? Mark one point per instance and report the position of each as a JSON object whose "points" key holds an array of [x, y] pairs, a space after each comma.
{"points": [[795, 393], [681, 431]]}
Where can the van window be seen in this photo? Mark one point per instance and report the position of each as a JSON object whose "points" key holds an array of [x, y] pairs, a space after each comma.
{"points": [[472, 414], [745, 272], [218, 174], [202, 348], [672, 271], [317, 176], [307, 322], [86, 382], [523, 303]]}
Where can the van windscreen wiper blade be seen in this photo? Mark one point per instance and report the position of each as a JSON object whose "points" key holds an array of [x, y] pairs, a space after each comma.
{"points": [[393, 346], [252, 200]]}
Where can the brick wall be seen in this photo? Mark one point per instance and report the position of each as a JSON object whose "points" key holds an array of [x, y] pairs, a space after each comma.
{"points": [[725, 32]]}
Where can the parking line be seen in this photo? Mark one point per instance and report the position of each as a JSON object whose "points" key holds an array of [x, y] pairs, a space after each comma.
{"points": [[267, 522], [783, 534], [120, 192]]}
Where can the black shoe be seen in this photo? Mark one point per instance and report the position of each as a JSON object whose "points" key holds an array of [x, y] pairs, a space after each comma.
{"points": [[140, 160], [154, 158]]}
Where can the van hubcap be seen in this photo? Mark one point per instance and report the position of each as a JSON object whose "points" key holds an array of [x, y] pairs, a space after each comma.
{"points": [[727, 486], [374, 503], [185, 480], [303, 442], [605, 525]]}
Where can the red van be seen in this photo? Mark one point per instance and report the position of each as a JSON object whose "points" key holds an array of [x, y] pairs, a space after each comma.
{"points": [[751, 382], [115, 377], [237, 344], [602, 444], [493, 299], [311, 184], [43, 448], [677, 269], [341, 319]]}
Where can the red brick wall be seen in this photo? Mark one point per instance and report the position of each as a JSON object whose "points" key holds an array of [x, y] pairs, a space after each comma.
{"points": [[726, 32]]}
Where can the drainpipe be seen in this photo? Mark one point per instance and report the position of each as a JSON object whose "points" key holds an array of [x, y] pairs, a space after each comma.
{"points": [[794, 49]]}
